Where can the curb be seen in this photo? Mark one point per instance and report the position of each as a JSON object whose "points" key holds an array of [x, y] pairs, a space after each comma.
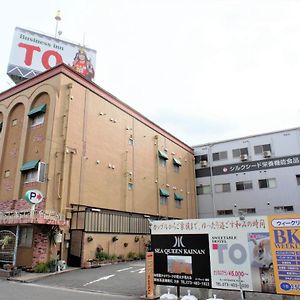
{"points": [[31, 277]]}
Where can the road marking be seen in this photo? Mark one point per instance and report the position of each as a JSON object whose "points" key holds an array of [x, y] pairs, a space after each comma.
{"points": [[121, 270], [77, 290], [99, 279], [142, 270]]}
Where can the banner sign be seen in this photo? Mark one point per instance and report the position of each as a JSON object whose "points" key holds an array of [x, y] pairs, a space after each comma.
{"points": [[285, 234], [177, 260], [33, 53], [247, 166], [228, 253]]}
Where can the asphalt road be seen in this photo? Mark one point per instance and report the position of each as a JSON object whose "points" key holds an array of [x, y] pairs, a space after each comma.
{"points": [[10, 290], [115, 282], [126, 279]]}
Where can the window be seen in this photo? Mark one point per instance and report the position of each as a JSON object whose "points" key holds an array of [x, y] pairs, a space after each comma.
{"points": [[37, 119], [37, 115], [163, 200], [243, 185], [267, 183], [222, 188], [163, 157], [239, 152], [26, 234], [164, 194], [283, 209], [176, 165], [1, 125], [245, 211], [130, 141], [177, 203], [219, 155], [298, 179], [262, 148], [203, 189], [201, 159], [224, 212], [14, 122], [34, 170], [130, 186], [31, 175]]}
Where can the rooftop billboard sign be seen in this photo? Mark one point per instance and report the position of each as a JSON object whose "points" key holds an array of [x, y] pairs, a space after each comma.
{"points": [[254, 253], [33, 53]]}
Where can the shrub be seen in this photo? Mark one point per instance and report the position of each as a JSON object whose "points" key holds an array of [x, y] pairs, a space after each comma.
{"points": [[113, 257], [132, 255], [121, 257], [41, 268], [102, 255], [142, 255]]}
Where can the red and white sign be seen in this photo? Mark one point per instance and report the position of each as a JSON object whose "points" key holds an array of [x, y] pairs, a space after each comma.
{"points": [[33, 53]]}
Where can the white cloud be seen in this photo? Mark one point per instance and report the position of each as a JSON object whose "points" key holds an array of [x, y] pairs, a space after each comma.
{"points": [[205, 70]]}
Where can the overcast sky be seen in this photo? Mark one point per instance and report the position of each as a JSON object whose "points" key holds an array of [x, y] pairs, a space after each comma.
{"points": [[204, 70]]}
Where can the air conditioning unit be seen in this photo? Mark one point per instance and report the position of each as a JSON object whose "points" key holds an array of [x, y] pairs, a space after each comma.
{"points": [[41, 174], [244, 157], [203, 163], [267, 153]]}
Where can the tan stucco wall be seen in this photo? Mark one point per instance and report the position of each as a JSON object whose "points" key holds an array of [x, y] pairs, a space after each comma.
{"points": [[114, 248], [99, 132], [84, 142]]}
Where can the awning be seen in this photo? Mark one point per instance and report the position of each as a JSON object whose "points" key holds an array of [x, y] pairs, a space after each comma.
{"points": [[164, 193], [176, 162], [37, 110], [163, 155], [29, 165], [178, 197]]}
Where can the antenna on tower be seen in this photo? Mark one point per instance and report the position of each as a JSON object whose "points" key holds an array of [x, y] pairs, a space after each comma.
{"points": [[83, 40], [57, 18]]}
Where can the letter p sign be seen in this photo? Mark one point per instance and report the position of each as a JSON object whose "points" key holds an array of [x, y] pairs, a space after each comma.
{"points": [[34, 197]]}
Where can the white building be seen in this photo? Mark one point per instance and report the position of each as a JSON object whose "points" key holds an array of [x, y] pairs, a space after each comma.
{"points": [[257, 174]]}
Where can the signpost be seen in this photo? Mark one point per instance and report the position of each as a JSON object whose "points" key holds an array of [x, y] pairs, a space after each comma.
{"points": [[33, 197], [149, 275]]}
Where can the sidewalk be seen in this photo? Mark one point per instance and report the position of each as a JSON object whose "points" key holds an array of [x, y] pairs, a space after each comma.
{"points": [[31, 277]]}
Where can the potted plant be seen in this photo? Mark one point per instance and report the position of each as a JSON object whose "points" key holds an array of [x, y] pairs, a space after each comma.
{"points": [[53, 263], [89, 238], [5, 241], [53, 234]]}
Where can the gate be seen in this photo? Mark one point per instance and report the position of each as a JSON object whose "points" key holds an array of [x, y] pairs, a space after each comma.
{"points": [[74, 258], [7, 247]]}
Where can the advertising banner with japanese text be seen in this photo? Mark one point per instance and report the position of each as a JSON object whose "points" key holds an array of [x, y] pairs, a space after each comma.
{"points": [[181, 260], [33, 53], [223, 253], [285, 246]]}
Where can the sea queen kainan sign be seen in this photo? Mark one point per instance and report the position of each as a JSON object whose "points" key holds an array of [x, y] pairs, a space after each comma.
{"points": [[181, 260], [33, 53]]}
